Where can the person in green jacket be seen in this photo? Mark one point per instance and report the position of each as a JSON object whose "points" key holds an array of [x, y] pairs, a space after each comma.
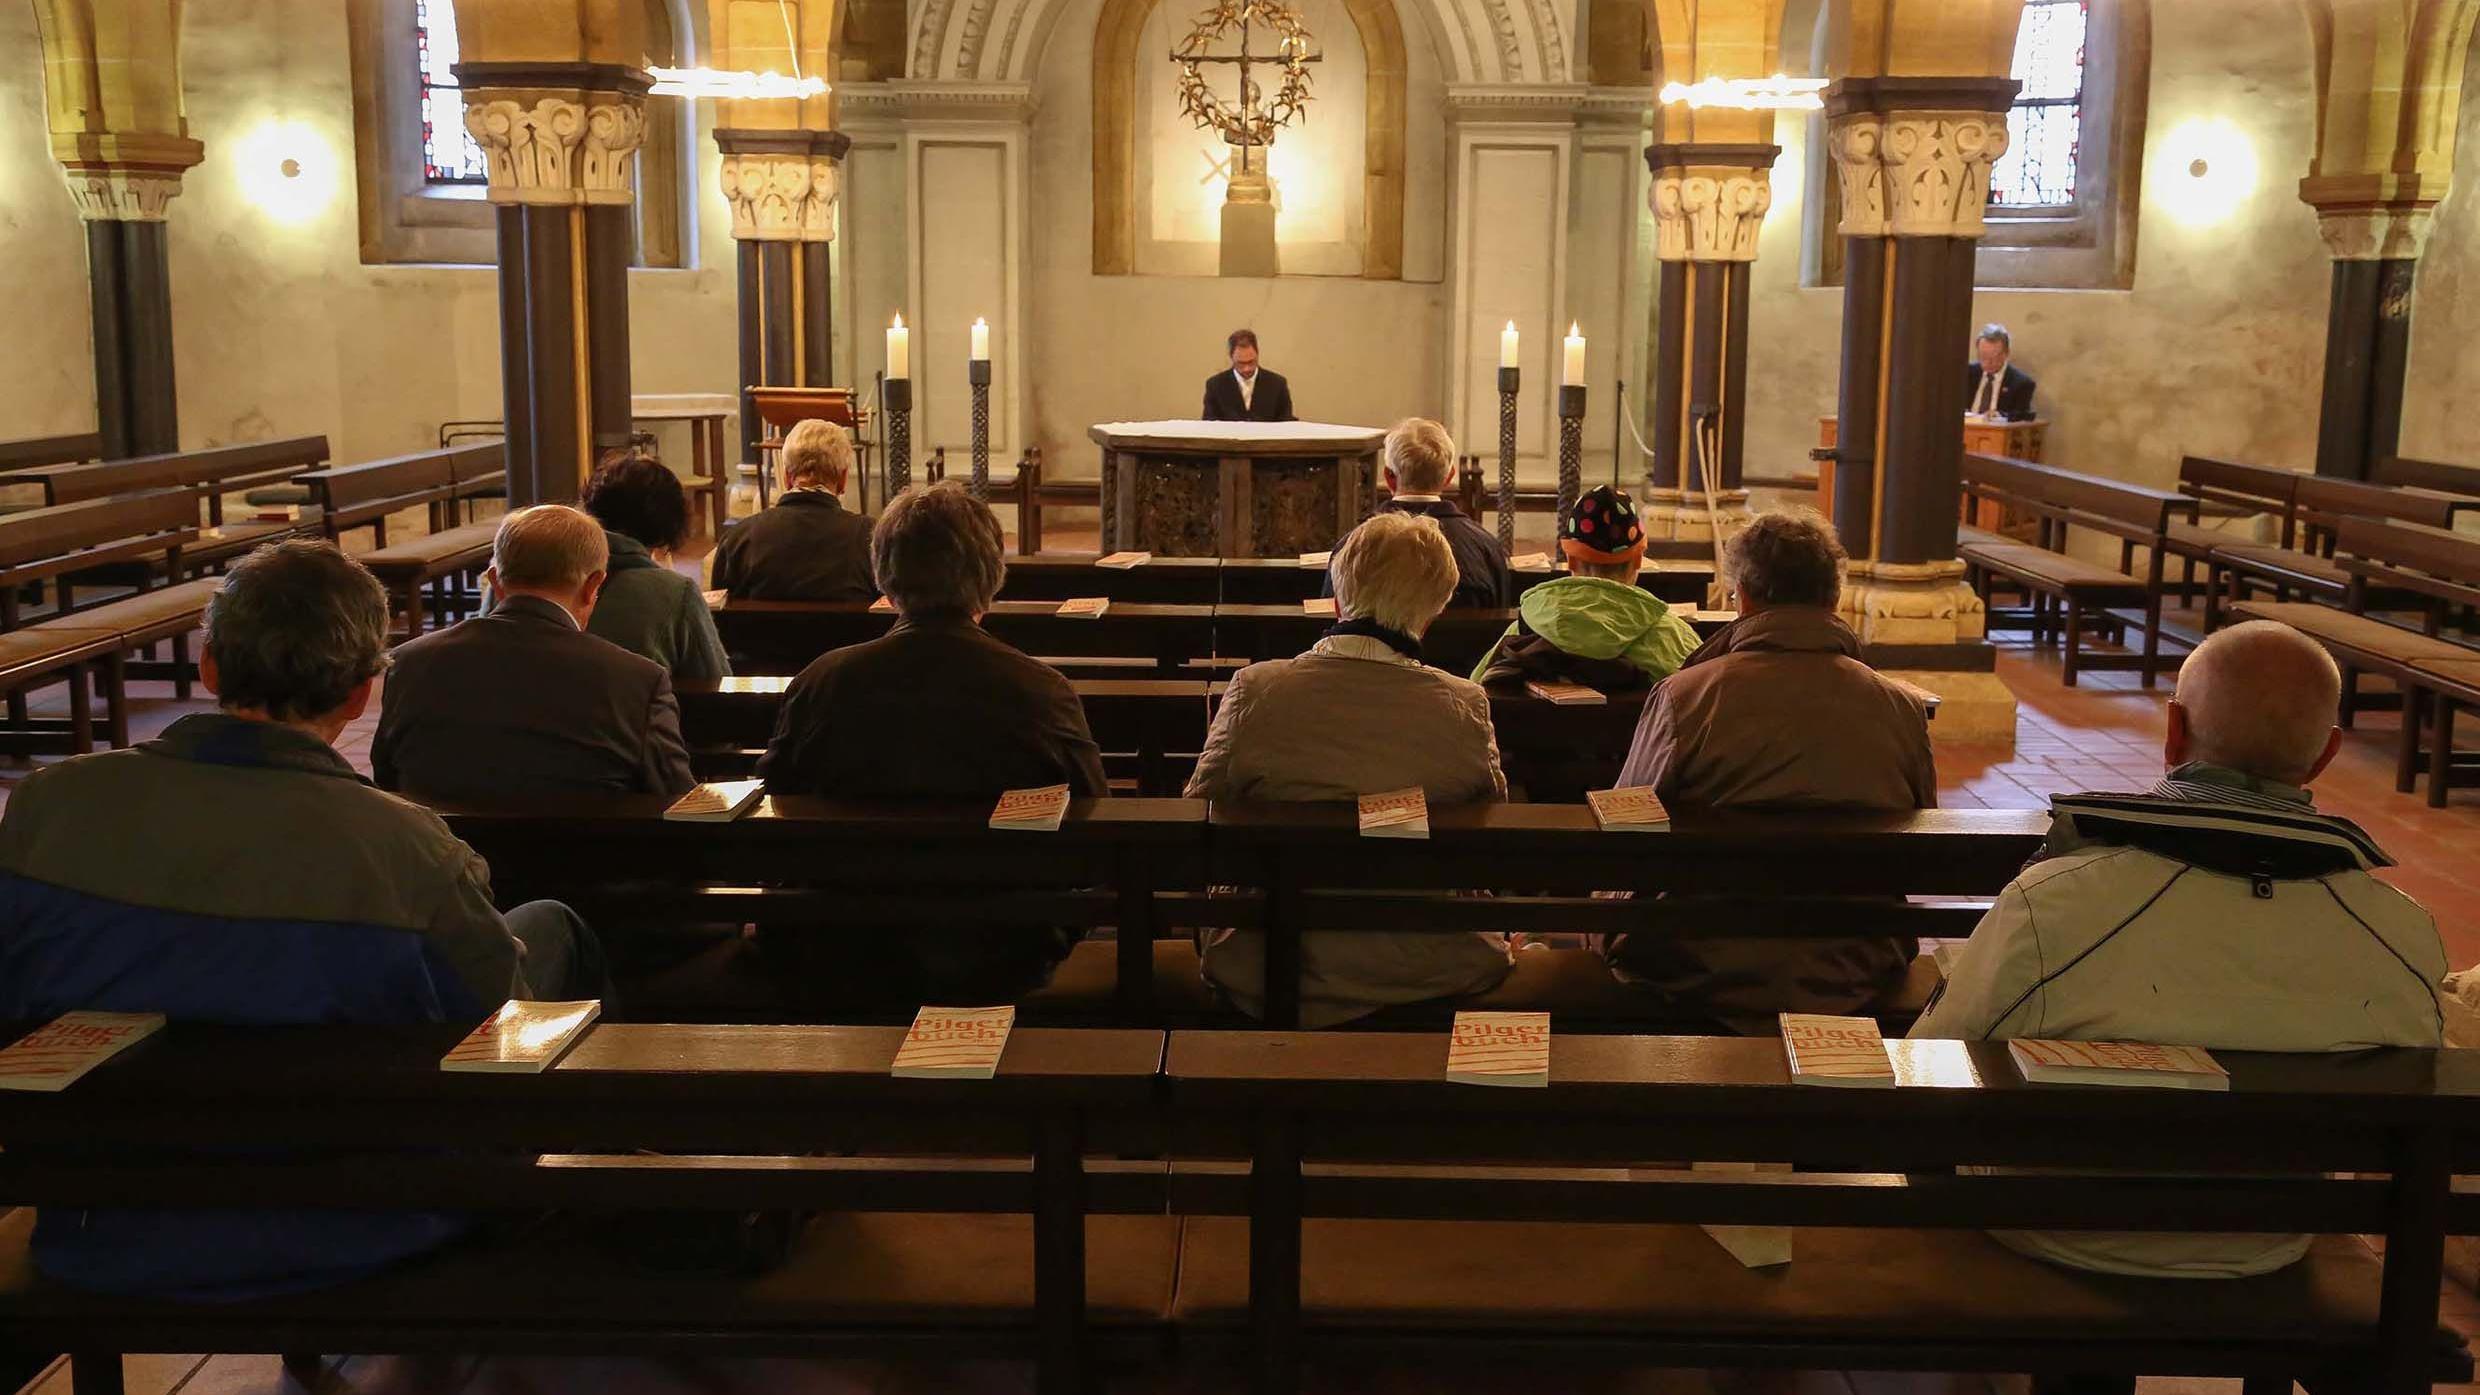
{"points": [[646, 607], [1594, 626]]}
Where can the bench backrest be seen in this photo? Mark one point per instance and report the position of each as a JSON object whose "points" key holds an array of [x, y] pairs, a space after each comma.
{"points": [[2263, 488], [378, 487], [66, 528], [2071, 496], [479, 468], [2325, 501], [213, 472], [50, 450], [2428, 474]]}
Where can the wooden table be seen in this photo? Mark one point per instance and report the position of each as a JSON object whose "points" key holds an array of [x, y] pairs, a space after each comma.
{"points": [[1234, 488], [2017, 440], [706, 413]]}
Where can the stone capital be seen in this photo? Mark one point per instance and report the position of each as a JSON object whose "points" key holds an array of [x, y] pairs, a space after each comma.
{"points": [[1937, 167], [1912, 603], [2376, 234], [783, 185], [565, 146], [1709, 213], [109, 194], [1854, 142]]}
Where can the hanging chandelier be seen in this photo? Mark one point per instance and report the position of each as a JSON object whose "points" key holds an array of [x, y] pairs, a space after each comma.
{"points": [[1777, 93], [741, 85]]}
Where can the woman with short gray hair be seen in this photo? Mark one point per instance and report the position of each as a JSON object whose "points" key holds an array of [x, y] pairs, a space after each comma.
{"points": [[935, 709], [1360, 714], [808, 547]]}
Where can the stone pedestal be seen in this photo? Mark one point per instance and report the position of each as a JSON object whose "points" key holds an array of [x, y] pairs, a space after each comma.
{"points": [[1248, 227]]}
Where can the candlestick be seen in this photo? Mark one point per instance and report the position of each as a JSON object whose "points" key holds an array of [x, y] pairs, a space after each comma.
{"points": [[1508, 383], [981, 340], [899, 400], [977, 373], [1571, 441], [899, 351], [1574, 376], [1507, 346]]}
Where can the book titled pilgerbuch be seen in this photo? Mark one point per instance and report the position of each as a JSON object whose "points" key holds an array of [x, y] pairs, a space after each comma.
{"points": [[2136, 1063], [522, 1038], [717, 801], [1636, 809], [1123, 561], [1085, 607], [953, 1043], [1500, 1048], [1835, 1050], [1567, 694], [1395, 814], [54, 1055], [1035, 811]]}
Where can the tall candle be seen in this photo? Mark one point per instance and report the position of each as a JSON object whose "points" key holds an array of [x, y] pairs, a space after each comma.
{"points": [[1507, 346], [1574, 376], [899, 350], [981, 340]]}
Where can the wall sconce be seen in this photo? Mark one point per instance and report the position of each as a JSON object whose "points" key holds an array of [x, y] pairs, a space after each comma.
{"points": [[2209, 170], [285, 169]]}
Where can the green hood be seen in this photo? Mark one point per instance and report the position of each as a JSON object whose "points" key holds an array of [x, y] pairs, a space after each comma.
{"points": [[1593, 617]]}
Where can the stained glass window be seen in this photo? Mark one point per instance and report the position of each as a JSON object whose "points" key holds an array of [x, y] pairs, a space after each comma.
{"points": [[2045, 130], [449, 154]]}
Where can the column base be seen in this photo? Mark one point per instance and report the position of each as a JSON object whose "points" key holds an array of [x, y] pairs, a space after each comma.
{"points": [[1912, 603], [1679, 515], [1975, 709]]}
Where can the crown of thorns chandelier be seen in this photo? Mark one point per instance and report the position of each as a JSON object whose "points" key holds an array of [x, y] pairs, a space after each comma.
{"points": [[1254, 117]]}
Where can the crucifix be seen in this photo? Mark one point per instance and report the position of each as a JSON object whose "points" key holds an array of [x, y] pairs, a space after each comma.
{"points": [[1251, 126], [1248, 247]]}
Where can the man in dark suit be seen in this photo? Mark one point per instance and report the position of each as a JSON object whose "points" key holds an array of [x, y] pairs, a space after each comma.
{"points": [[1247, 392], [1995, 386], [522, 700], [1420, 462]]}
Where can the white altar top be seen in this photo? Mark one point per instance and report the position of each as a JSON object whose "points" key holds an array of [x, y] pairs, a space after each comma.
{"points": [[1239, 437]]}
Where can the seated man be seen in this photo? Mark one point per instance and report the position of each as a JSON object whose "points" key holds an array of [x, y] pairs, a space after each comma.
{"points": [[1998, 390], [522, 700], [1777, 712], [236, 870], [807, 547], [1247, 392], [2216, 909], [1420, 461], [934, 709], [1594, 626], [1359, 714]]}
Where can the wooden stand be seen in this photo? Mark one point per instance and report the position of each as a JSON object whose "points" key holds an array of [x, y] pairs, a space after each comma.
{"points": [[2018, 440]]}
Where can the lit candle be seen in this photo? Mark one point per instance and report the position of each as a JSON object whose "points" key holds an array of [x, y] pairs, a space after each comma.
{"points": [[1507, 346], [1574, 376], [981, 340], [899, 350]]}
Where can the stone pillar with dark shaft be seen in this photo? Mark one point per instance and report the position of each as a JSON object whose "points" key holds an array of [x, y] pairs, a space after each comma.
{"points": [[1913, 155], [1709, 201], [559, 141], [783, 186], [2375, 238]]}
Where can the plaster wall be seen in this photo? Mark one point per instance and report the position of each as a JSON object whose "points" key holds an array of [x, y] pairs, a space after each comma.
{"points": [[2443, 377]]}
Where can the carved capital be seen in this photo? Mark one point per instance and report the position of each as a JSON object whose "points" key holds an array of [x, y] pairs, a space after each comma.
{"points": [[1854, 140], [1709, 213], [2376, 234], [605, 168], [769, 194], [1912, 603], [529, 144], [826, 192], [1936, 167], [104, 194]]}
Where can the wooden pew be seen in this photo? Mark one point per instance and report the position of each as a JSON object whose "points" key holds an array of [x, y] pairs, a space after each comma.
{"points": [[38, 452], [2236, 488], [443, 482], [1384, 1211], [2321, 506], [2441, 570], [2437, 475], [951, 1219], [2067, 591], [210, 474], [1059, 576]]}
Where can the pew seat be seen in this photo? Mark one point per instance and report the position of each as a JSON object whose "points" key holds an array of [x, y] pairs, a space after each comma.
{"points": [[57, 650], [1872, 1289], [2356, 641], [227, 541], [2282, 568], [404, 568]]}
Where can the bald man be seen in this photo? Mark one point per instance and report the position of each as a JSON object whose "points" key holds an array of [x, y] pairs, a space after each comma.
{"points": [[2216, 909]]}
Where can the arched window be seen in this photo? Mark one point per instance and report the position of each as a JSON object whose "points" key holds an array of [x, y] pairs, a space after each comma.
{"points": [[421, 177], [2046, 129]]}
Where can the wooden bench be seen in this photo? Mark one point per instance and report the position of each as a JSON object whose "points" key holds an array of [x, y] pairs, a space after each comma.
{"points": [[1031, 494], [41, 451], [2428, 474], [1059, 576], [1383, 1211], [142, 535], [2239, 490], [2068, 592], [952, 1218], [442, 482], [2442, 570], [2303, 563], [211, 475]]}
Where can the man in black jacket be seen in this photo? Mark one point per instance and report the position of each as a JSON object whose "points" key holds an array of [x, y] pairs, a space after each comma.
{"points": [[1247, 392], [1994, 386], [522, 700], [1420, 460], [808, 547]]}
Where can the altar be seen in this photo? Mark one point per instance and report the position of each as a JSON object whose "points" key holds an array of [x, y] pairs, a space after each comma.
{"points": [[1234, 488]]}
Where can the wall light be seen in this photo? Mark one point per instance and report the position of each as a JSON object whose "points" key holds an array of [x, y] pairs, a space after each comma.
{"points": [[1777, 93], [285, 168], [2207, 169]]}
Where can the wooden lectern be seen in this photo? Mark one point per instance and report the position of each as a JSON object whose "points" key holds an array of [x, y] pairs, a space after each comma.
{"points": [[2020, 440], [782, 408], [1234, 488]]}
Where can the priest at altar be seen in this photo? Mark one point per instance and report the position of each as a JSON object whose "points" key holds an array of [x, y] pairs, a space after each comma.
{"points": [[1246, 391]]}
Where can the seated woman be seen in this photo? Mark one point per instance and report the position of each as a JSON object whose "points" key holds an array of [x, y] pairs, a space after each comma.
{"points": [[934, 709], [1359, 714], [646, 607], [1594, 626], [807, 547]]}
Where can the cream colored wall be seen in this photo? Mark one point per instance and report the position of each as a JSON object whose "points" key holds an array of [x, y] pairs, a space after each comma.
{"points": [[2443, 380], [278, 329], [2219, 347]]}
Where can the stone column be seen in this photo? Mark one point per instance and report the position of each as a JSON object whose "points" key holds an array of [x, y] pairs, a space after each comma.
{"points": [[1913, 156], [783, 186], [112, 96], [2375, 227], [1709, 201], [560, 139]]}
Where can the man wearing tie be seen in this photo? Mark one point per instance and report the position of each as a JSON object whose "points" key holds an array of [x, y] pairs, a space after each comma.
{"points": [[1998, 388], [1247, 392]]}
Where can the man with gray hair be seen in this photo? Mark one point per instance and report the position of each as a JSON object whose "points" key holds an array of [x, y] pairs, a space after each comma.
{"points": [[2216, 909], [1420, 466], [236, 869], [522, 701], [808, 547], [1995, 388], [934, 709]]}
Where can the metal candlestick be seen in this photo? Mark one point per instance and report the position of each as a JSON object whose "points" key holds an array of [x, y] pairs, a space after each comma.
{"points": [[1508, 382], [899, 436], [1571, 450], [977, 373]]}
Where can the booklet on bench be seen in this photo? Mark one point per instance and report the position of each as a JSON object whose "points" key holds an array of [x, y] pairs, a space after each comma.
{"points": [[953, 1043], [717, 801], [2118, 1063], [1032, 811], [1636, 809], [1826, 1050], [1084, 607], [1567, 694], [54, 1055], [1400, 813], [1500, 1048], [522, 1038], [1122, 561]]}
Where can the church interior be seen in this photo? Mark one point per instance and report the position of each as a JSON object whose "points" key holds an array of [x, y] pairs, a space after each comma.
{"points": [[687, 533]]}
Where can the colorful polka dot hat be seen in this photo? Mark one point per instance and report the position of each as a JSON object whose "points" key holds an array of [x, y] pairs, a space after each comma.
{"points": [[1603, 528]]}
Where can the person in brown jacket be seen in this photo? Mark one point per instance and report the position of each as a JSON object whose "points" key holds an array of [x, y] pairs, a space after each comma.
{"points": [[1778, 712]]}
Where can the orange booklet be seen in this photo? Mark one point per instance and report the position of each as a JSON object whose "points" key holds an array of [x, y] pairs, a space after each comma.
{"points": [[2118, 1063], [1395, 814], [717, 801], [1500, 1048], [1122, 561], [1529, 562], [882, 606], [1636, 809], [522, 1038], [716, 600], [1318, 605], [1036, 811], [54, 1055], [951, 1043], [1316, 559], [1085, 607], [1567, 694], [1835, 1050]]}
